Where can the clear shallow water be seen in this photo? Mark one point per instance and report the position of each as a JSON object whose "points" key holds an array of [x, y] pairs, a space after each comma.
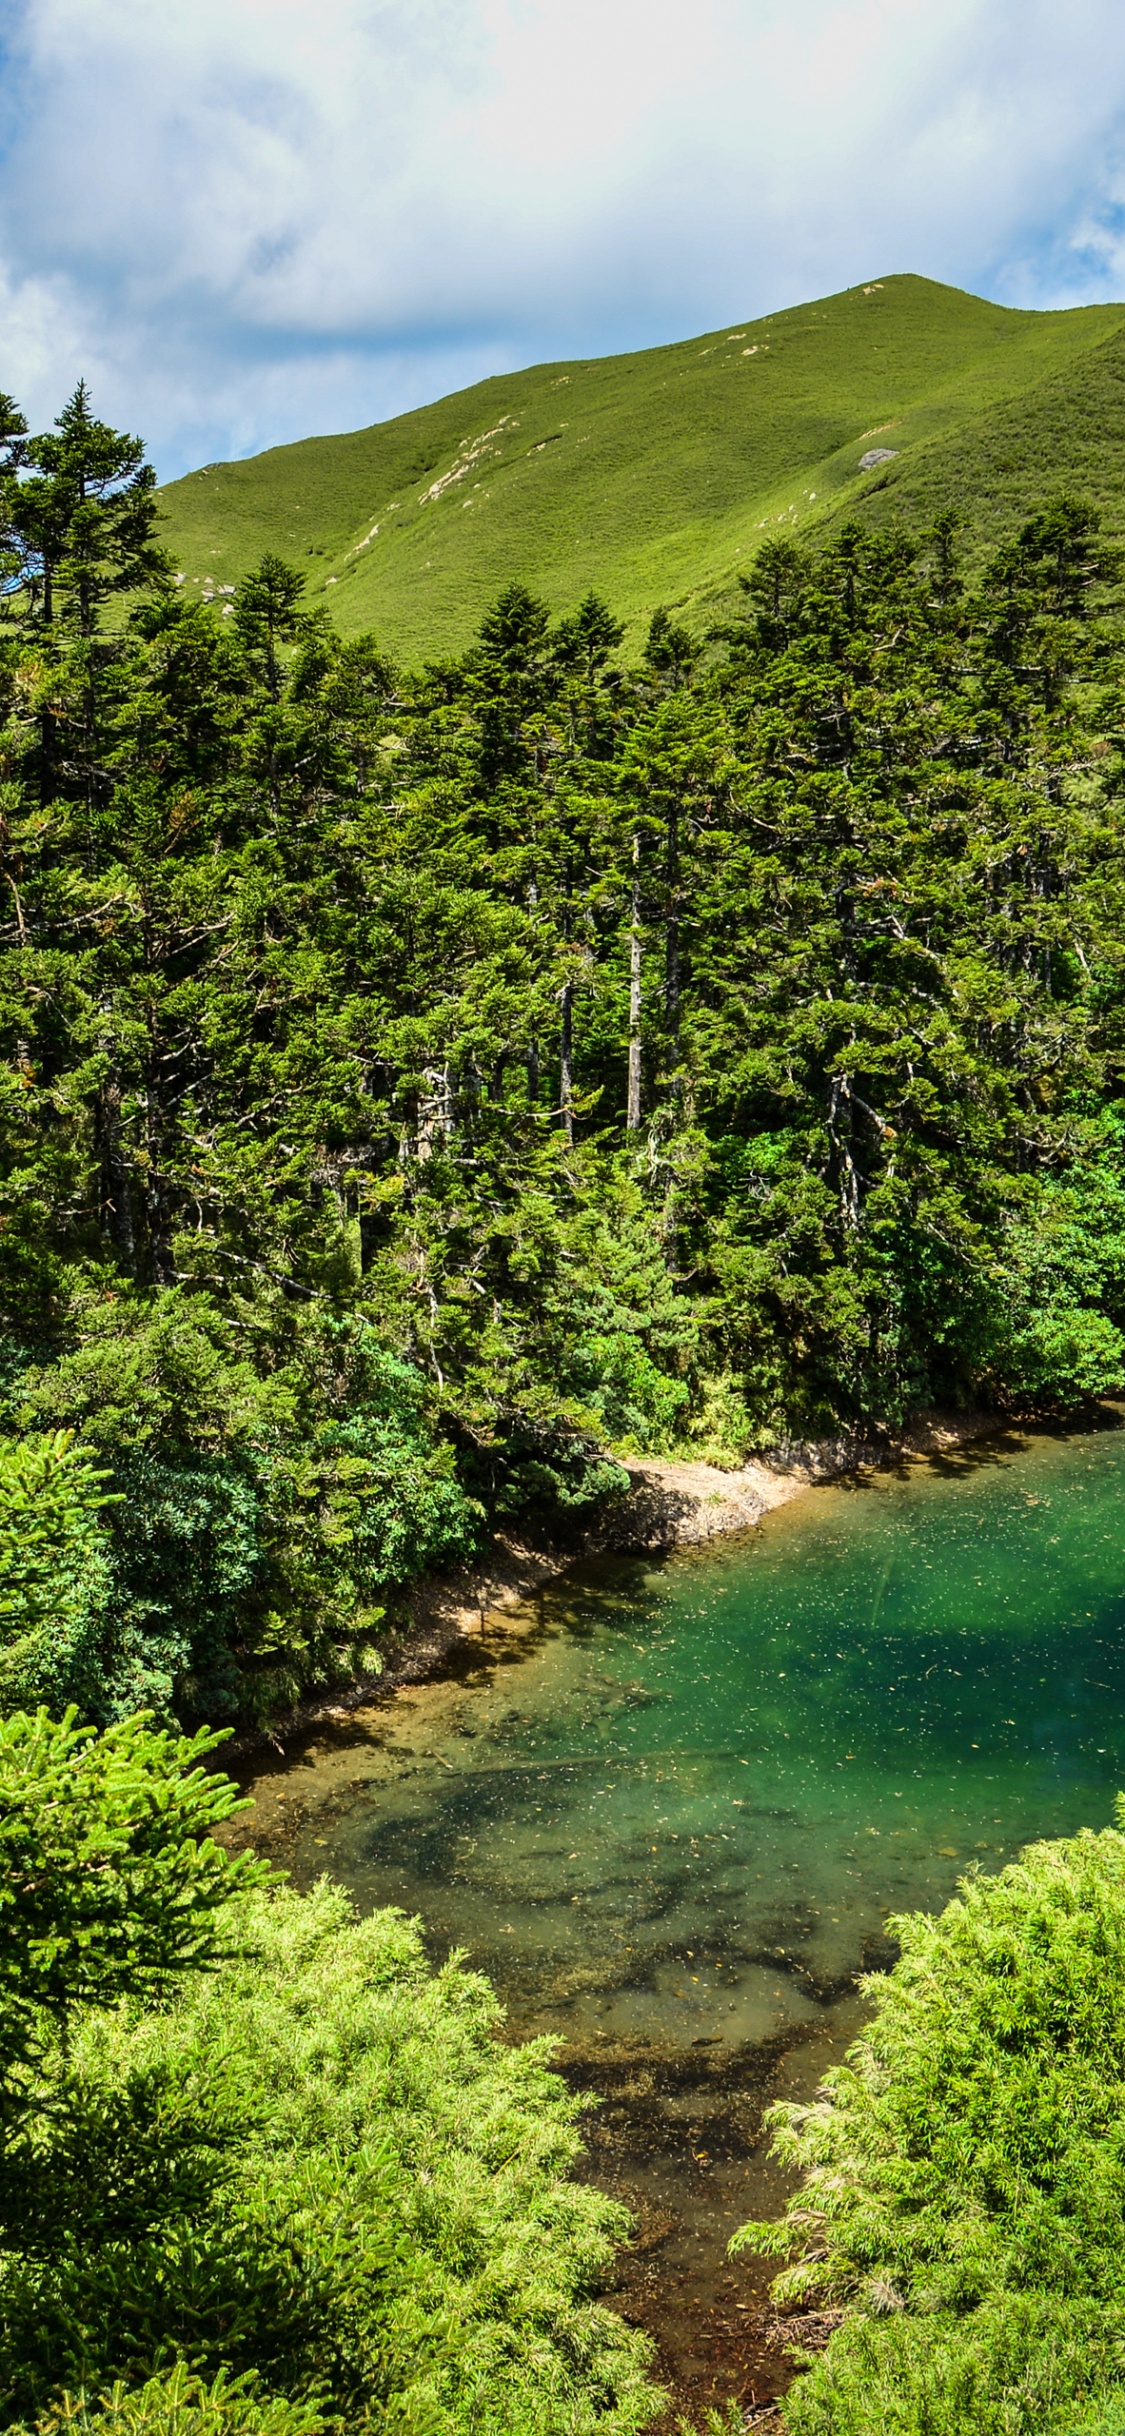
{"points": [[669, 1807], [676, 1802]]}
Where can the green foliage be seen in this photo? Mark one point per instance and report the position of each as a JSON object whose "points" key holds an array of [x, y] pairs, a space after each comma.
{"points": [[1104, 2418], [1064, 1285], [110, 1882], [334, 2176], [260, 2168], [176, 2403], [267, 615], [638, 1405], [54, 1573], [964, 2174], [258, 1526], [79, 510], [1027, 2363]]}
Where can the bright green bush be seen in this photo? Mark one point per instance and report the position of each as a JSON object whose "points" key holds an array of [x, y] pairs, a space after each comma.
{"points": [[241, 2130], [55, 1574], [964, 2169], [1015, 2365], [320, 2164], [111, 1886], [178, 2404], [1103, 2418]]}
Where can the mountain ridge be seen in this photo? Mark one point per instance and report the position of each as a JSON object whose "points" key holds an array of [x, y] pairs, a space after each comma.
{"points": [[652, 476]]}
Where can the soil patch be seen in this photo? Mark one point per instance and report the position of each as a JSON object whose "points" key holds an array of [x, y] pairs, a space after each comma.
{"points": [[678, 2135]]}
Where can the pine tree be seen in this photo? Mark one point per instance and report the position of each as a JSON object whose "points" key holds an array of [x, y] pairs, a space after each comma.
{"points": [[84, 514]]}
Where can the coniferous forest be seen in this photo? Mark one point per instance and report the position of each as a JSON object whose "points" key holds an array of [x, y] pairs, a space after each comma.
{"points": [[423, 1088], [422, 1084]]}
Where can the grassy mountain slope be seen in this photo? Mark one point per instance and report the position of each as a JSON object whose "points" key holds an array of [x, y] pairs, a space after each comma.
{"points": [[654, 476], [1066, 433]]}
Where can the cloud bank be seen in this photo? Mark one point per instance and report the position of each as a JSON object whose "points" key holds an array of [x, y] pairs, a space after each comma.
{"points": [[250, 219]]}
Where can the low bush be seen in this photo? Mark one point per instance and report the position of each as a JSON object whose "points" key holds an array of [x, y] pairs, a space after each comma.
{"points": [[250, 2133], [964, 2169], [176, 2403]]}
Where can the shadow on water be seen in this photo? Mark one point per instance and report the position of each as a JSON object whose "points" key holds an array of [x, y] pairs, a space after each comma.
{"points": [[671, 1808]]}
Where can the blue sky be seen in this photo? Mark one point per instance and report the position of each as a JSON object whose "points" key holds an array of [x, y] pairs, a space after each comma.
{"points": [[246, 220]]}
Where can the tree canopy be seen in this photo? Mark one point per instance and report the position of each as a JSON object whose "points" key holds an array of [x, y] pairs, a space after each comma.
{"points": [[423, 1087]]}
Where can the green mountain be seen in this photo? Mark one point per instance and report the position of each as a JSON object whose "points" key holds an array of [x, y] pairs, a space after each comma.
{"points": [[655, 476]]}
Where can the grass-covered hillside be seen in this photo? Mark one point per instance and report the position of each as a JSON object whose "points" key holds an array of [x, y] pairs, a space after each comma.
{"points": [[654, 477]]}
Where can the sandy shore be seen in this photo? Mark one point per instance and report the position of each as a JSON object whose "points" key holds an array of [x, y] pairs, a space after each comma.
{"points": [[668, 1505]]}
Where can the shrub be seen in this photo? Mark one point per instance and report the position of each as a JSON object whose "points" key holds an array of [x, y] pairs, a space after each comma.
{"points": [[318, 2164], [54, 1573], [964, 2169], [176, 2403]]}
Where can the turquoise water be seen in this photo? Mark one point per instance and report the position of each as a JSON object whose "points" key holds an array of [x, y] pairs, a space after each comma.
{"points": [[679, 1800]]}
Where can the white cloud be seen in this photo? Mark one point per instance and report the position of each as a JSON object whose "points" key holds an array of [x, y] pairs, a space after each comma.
{"points": [[246, 219]]}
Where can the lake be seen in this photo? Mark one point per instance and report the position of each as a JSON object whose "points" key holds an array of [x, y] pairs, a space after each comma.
{"points": [[672, 1807]]}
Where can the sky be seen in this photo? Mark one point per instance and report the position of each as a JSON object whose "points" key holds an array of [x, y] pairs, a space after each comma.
{"points": [[247, 220]]}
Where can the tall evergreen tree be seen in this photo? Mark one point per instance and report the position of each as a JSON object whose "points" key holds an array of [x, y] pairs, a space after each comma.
{"points": [[84, 515]]}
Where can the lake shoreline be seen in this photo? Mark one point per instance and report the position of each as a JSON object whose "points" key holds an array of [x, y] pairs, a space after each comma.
{"points": [[669, 1504], [563, 1800]]}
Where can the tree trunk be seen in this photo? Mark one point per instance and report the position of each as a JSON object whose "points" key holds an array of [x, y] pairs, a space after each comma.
{"points": [[435, 1111], [840, 1124], [157, 1205], [533, 1045], [672, 942], [566, 1024], [633, 1102], [115, 1200], [566, 1061]]}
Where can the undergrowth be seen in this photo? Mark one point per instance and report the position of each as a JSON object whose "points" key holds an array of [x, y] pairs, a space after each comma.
{"points": [[964, 2170]]}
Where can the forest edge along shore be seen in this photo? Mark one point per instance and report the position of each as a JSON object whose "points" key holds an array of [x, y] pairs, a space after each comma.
{"points": [[667, 1505]]}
